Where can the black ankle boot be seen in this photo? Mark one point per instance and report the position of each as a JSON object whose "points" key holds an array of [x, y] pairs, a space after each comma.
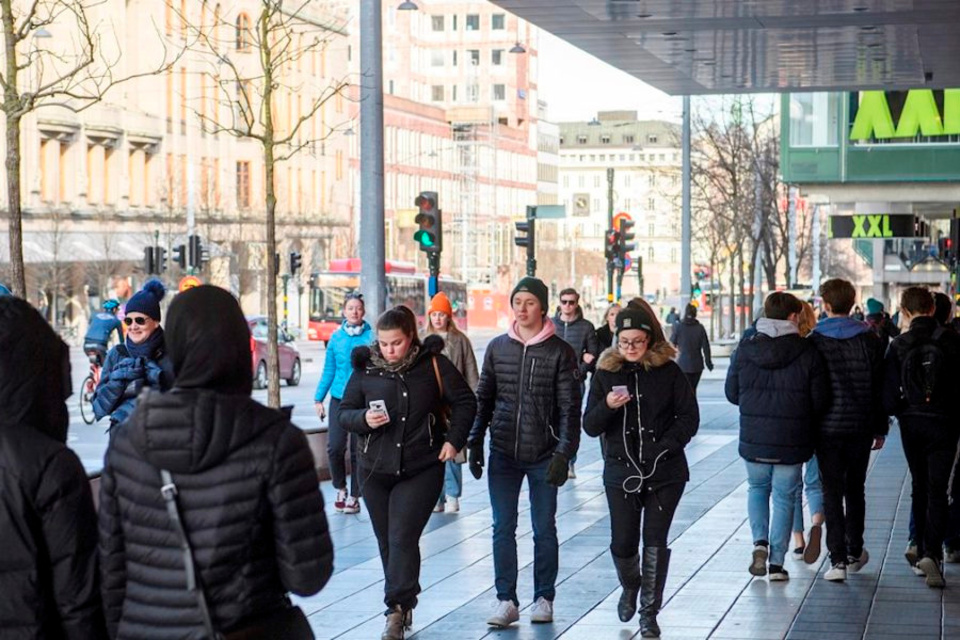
{"points": [[628, 570], [653, 580]]}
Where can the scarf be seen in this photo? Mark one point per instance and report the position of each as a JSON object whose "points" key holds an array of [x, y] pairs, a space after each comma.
{"points": [[377, 359], [149, 348]]}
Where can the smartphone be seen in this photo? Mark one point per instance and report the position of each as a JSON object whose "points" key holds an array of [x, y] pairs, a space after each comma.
{"points": [[621, 389], [379, 406]]}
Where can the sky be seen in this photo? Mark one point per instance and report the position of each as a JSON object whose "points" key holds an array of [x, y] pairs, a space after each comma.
{"points": [[576, 85]]}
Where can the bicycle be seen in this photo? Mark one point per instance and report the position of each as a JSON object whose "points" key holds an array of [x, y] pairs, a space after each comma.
{"points": [[89, 386]]}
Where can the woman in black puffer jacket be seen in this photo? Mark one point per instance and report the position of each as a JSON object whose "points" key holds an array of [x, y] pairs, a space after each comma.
{"points": [[246, 487], [642, 406], [404, 446]]}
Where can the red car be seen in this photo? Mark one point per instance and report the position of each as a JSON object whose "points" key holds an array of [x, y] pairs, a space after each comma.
{"points": [[289, 354]]}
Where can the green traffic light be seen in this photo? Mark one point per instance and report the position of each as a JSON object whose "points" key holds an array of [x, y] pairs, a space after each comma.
{"points": [[425, 238]]}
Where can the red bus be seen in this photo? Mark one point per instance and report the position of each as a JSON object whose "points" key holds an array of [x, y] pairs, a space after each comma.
{"points": [[404, 286]]}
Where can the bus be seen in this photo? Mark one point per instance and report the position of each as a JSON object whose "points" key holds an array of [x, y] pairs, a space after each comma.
{"points": [[404, 287]]}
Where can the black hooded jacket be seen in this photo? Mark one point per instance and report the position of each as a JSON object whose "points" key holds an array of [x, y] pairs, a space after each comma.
{"points": [[941, 410], [48, 527], [248, 492], [412, 440], [691, 341]]}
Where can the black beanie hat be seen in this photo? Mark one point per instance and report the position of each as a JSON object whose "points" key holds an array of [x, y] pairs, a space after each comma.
{"points": [[631, 318], [534, 286], [147, 300]]}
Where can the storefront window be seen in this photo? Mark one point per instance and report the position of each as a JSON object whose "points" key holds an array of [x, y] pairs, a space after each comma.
{"points": [[814, 119]]}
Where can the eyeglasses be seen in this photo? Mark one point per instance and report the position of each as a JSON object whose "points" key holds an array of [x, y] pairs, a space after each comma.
{"points": [[140, 320], [631, 344], [568, 302]]}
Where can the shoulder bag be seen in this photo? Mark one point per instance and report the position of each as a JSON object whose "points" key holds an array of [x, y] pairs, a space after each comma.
{"points": [[445, 413]]}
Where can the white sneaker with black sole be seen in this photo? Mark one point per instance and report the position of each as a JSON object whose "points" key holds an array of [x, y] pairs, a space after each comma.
{"points": [[505, 614], [855, 564], [542, 611], [836, 573]]}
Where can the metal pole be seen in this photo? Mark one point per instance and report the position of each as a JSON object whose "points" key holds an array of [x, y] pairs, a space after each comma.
{"points": [[373, 281], [286, 309], [816, 249], [686, 225], [610, 265]]}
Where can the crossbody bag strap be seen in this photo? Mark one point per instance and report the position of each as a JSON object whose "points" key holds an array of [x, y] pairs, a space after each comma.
{"points": [[169, 493], [436, 372]]}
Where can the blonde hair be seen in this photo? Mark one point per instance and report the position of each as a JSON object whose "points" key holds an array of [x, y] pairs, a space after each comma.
{"points": [[451, 326], [807, 320]]}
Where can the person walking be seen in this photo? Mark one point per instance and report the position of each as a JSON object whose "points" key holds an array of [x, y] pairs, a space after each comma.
{"points": [[139, 362], [880, 322], [397, 401], [690, 339], [529, 400], [48, 571], [853, 424], [459, 351], [672, 317], [207, 469], [921, 370], [642, 406], [781, 385], [353, 332], [608, 331]]}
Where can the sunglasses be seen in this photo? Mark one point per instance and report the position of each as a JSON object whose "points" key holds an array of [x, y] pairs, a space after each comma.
{"points": [[568, 302], [140, 320]]}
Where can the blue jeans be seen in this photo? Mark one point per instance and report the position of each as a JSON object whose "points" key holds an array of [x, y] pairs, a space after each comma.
{"points": [[505, 477], [783, 481], [814, 491], [452, 481]]}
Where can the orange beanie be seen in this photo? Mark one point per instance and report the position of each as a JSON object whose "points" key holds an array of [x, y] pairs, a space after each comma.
{"points": [[441, 303]]}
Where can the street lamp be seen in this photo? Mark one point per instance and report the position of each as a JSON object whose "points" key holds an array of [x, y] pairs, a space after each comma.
{"points": [[407, 6], [518, 48]]}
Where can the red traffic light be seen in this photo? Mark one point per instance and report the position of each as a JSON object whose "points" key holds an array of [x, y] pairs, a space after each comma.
{"points": [[425, 202]]}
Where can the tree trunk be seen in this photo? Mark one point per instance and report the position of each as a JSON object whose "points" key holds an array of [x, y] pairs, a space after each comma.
{"points": [[733, 294], [273, 353], [12, 108], [741, 306]]}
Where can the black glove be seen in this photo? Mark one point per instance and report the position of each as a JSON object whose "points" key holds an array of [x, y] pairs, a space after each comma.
{"points": [[558, 470], [475, 460]]}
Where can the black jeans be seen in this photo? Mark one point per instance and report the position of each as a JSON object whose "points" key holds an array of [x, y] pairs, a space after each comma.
{"points": [[655, 507], [930, 447], [337, 438], [399, 508], [694, 379], [843, 473]]}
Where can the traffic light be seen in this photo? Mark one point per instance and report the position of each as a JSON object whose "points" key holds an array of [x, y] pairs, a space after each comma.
{"points": [[296, 261], [148, 260], [180, 256], [195, 252], [625, 238], [611, 244], [159, 259], [696, 291], [429, 235], [529, 241], [953, 243]]}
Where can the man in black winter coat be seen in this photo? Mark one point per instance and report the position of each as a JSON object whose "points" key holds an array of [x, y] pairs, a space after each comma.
{"points": [[529, 399], [921, 376], [247, 492], [853, 424], [780, 382], [49, 589], [690, 339]]}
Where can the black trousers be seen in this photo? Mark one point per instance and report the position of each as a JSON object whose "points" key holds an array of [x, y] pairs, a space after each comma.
{"points": [[649, 512], [930, 447], [843, 473], [337, 439], [399, 508], [694, 379]]}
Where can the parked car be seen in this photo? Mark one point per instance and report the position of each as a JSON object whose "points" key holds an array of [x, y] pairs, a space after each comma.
{"points": [[289, 354]]}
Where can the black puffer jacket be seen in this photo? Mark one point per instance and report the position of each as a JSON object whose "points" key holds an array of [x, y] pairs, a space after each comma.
{"points": [[942, 409], [412, 440], [854, 358], [653, 428], [581, 335], [49, 588], [783, 388], [529, 397], [691, 341]]}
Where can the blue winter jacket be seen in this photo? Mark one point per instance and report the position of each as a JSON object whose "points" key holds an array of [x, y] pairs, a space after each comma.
{"points": [[121, 380], [336, 365], [102, 326]]}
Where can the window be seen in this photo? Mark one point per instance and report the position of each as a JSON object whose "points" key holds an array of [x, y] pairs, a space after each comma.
{"points": [[651, 204], [436, 23], [581, 139], [453, 95], [673, 255], [675, 181], [499, 92], [436, 58], [243, 184], [581, 181], [627, 203], [454, 57], [243, 36], [473, 93], [496, 57], [453, 26], [603, 157], [596, 204], [652, 180], [627, 139], [652, 138], [390, 88], [651, 229], [473, 22], [436, 93], [474, 56], [626, 180], [605, 139], [814, 119], [566, 181], [596, 181], [498, 22], [561, 139], [650, 254]]}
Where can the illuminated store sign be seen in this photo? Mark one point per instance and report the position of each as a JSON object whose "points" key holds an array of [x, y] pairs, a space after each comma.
{"points": [[886, 115]]}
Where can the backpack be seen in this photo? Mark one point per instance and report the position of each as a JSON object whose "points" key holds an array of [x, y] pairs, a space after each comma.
{"points": [[923, 370]]}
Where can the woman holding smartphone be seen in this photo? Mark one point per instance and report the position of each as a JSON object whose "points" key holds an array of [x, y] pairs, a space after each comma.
{"points": [[642, 406], [396, 402]]}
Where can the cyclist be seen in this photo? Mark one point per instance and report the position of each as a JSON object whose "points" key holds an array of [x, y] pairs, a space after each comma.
{"points": [[102, 326]]}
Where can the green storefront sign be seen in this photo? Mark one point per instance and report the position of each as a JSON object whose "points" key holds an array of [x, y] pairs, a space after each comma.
{"points": [[873, 225], [897, 114]]}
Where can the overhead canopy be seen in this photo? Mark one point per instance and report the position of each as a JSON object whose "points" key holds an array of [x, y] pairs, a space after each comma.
{"points": [[733, 46]]}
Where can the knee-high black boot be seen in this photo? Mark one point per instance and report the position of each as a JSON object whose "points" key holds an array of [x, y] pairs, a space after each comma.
{"points": [[628, 570], [656, 560]]}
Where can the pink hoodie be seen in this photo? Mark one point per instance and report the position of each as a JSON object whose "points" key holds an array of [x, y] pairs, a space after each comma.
{"points": [[548, 330]]}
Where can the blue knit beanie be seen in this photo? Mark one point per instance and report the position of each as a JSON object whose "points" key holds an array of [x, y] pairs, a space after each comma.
{"points": [[147, 300]]}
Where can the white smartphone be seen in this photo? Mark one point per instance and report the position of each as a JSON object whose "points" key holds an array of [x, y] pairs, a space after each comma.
{"points": [[379, 406], [621, 389]]}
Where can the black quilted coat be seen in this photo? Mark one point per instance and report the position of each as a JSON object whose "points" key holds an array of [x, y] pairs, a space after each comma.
{"points": [[529, 398]]}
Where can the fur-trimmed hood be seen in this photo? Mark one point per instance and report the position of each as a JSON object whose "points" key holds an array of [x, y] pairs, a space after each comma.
{"points": [[661, 353], [370, 357]]}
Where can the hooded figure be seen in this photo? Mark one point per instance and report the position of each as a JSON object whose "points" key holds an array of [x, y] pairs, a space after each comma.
{"points": [[247, 491], [48, 573]]}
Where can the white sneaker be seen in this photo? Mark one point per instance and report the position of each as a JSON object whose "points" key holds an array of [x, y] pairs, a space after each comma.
{"points": [[855, 564], [438, 508], [352, 506], [505, 615], [542, 611], [836, 573], [453, 504], [572, 472]]}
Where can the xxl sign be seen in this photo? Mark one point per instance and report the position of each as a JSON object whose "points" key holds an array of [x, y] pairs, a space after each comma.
{"points": [[873, 225], [884, 115]]}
